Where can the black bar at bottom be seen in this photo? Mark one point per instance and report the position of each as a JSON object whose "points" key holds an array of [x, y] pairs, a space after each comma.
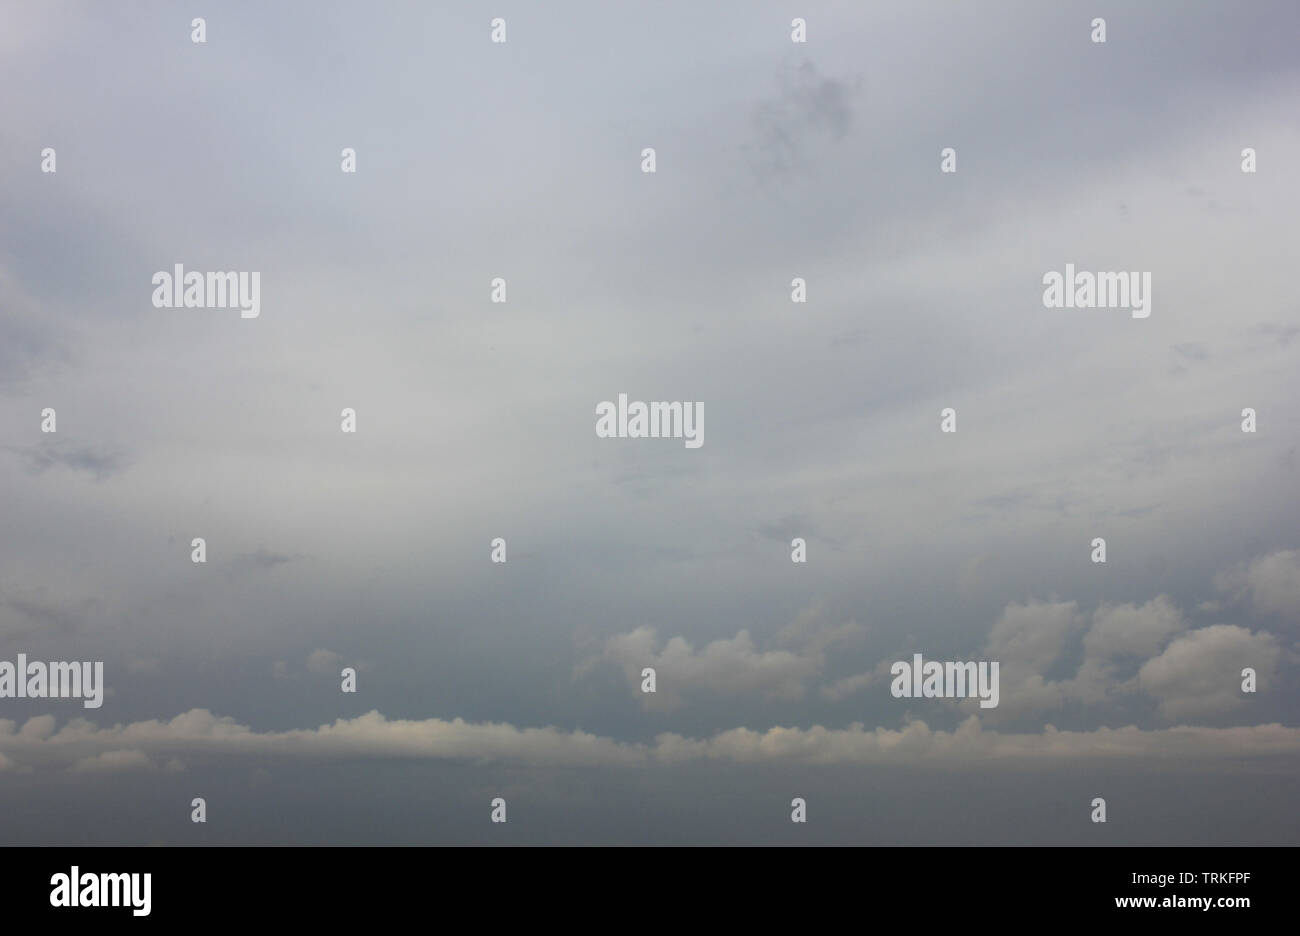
{"points": [[654, 887]]}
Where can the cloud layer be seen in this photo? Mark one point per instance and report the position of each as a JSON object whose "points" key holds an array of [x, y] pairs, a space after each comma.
{"points": [[79, 745]]}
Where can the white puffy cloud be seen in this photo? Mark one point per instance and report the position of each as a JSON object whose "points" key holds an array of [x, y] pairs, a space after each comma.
{"points": [[1026, 640], [815, 629], [730, 665], [1118, 635], [1033, 634], [1127, 650], [1131, 629], [1199, 674]]}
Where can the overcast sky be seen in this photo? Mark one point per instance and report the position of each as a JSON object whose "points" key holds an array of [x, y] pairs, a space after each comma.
{"points": [[475, 420]]}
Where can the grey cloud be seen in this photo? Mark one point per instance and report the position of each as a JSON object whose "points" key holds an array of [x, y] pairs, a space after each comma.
{"points": [[114, 760], [787, 528], [817, 628], [29, 341], [851, 685], [809, 111], [1282, 334], [99, 462], [1270, 583], [1192, 351], [321, 660], [29, 612], [261, 559]]}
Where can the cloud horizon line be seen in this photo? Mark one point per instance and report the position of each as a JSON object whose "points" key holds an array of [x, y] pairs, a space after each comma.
{"points": [[80, 745]]}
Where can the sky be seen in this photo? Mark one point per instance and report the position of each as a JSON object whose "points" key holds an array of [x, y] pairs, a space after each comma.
{"points": [[521, 680]]}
